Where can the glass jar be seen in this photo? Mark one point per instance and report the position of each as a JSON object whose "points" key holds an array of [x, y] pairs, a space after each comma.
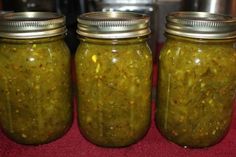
{"points": [[113, 69], [197, 78], [35, 86]]}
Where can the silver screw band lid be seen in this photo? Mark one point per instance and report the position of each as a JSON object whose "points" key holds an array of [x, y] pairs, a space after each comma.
{"points": [[113, 25], [30, 25], [201, 25]]}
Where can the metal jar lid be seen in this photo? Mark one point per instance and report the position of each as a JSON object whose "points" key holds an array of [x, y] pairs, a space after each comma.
{"points": [[201, 25], [30, 25], [113, 25]]}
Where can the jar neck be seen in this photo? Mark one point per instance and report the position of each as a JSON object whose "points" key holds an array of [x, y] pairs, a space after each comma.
{"points": [[195, 40], [127, 41], [30, 41]]}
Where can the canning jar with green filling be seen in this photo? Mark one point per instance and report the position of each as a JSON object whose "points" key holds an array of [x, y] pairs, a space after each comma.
{"points": [[197, 78], [113, 69], [35, 86]]}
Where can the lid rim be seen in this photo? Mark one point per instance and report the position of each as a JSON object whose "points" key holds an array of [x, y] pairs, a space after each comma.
{"points": [[33, 35], [203, 35], [117, 35], [201, 25], [113, 25], [29, 25]]}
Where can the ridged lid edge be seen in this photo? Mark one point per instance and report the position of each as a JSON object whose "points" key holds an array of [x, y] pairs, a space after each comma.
{"points": [[27, 25], [201, 25], [112, 25]]}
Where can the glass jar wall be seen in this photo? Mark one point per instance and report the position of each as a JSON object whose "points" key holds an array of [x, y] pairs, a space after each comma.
{"points": [[35, 105], [114, 83], [197, 80]]}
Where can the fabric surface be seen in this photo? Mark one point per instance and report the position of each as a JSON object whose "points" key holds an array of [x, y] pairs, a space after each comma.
{"points": [[73, 144]]}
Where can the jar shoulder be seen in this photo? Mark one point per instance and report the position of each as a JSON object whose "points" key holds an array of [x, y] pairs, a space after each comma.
{"points": [[122, 50], [33, 51], [195, 53]]}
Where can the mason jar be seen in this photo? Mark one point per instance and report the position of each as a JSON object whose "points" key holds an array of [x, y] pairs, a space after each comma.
{"points": [[113, 69], [197, 78], [35, 86]]}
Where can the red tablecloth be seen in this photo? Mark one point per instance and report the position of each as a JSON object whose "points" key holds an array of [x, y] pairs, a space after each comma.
{"points": [[152, 145]]}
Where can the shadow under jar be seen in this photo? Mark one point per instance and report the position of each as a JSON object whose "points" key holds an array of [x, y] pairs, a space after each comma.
{"points": [[35, 86], [197, 78], [113, 68]]}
